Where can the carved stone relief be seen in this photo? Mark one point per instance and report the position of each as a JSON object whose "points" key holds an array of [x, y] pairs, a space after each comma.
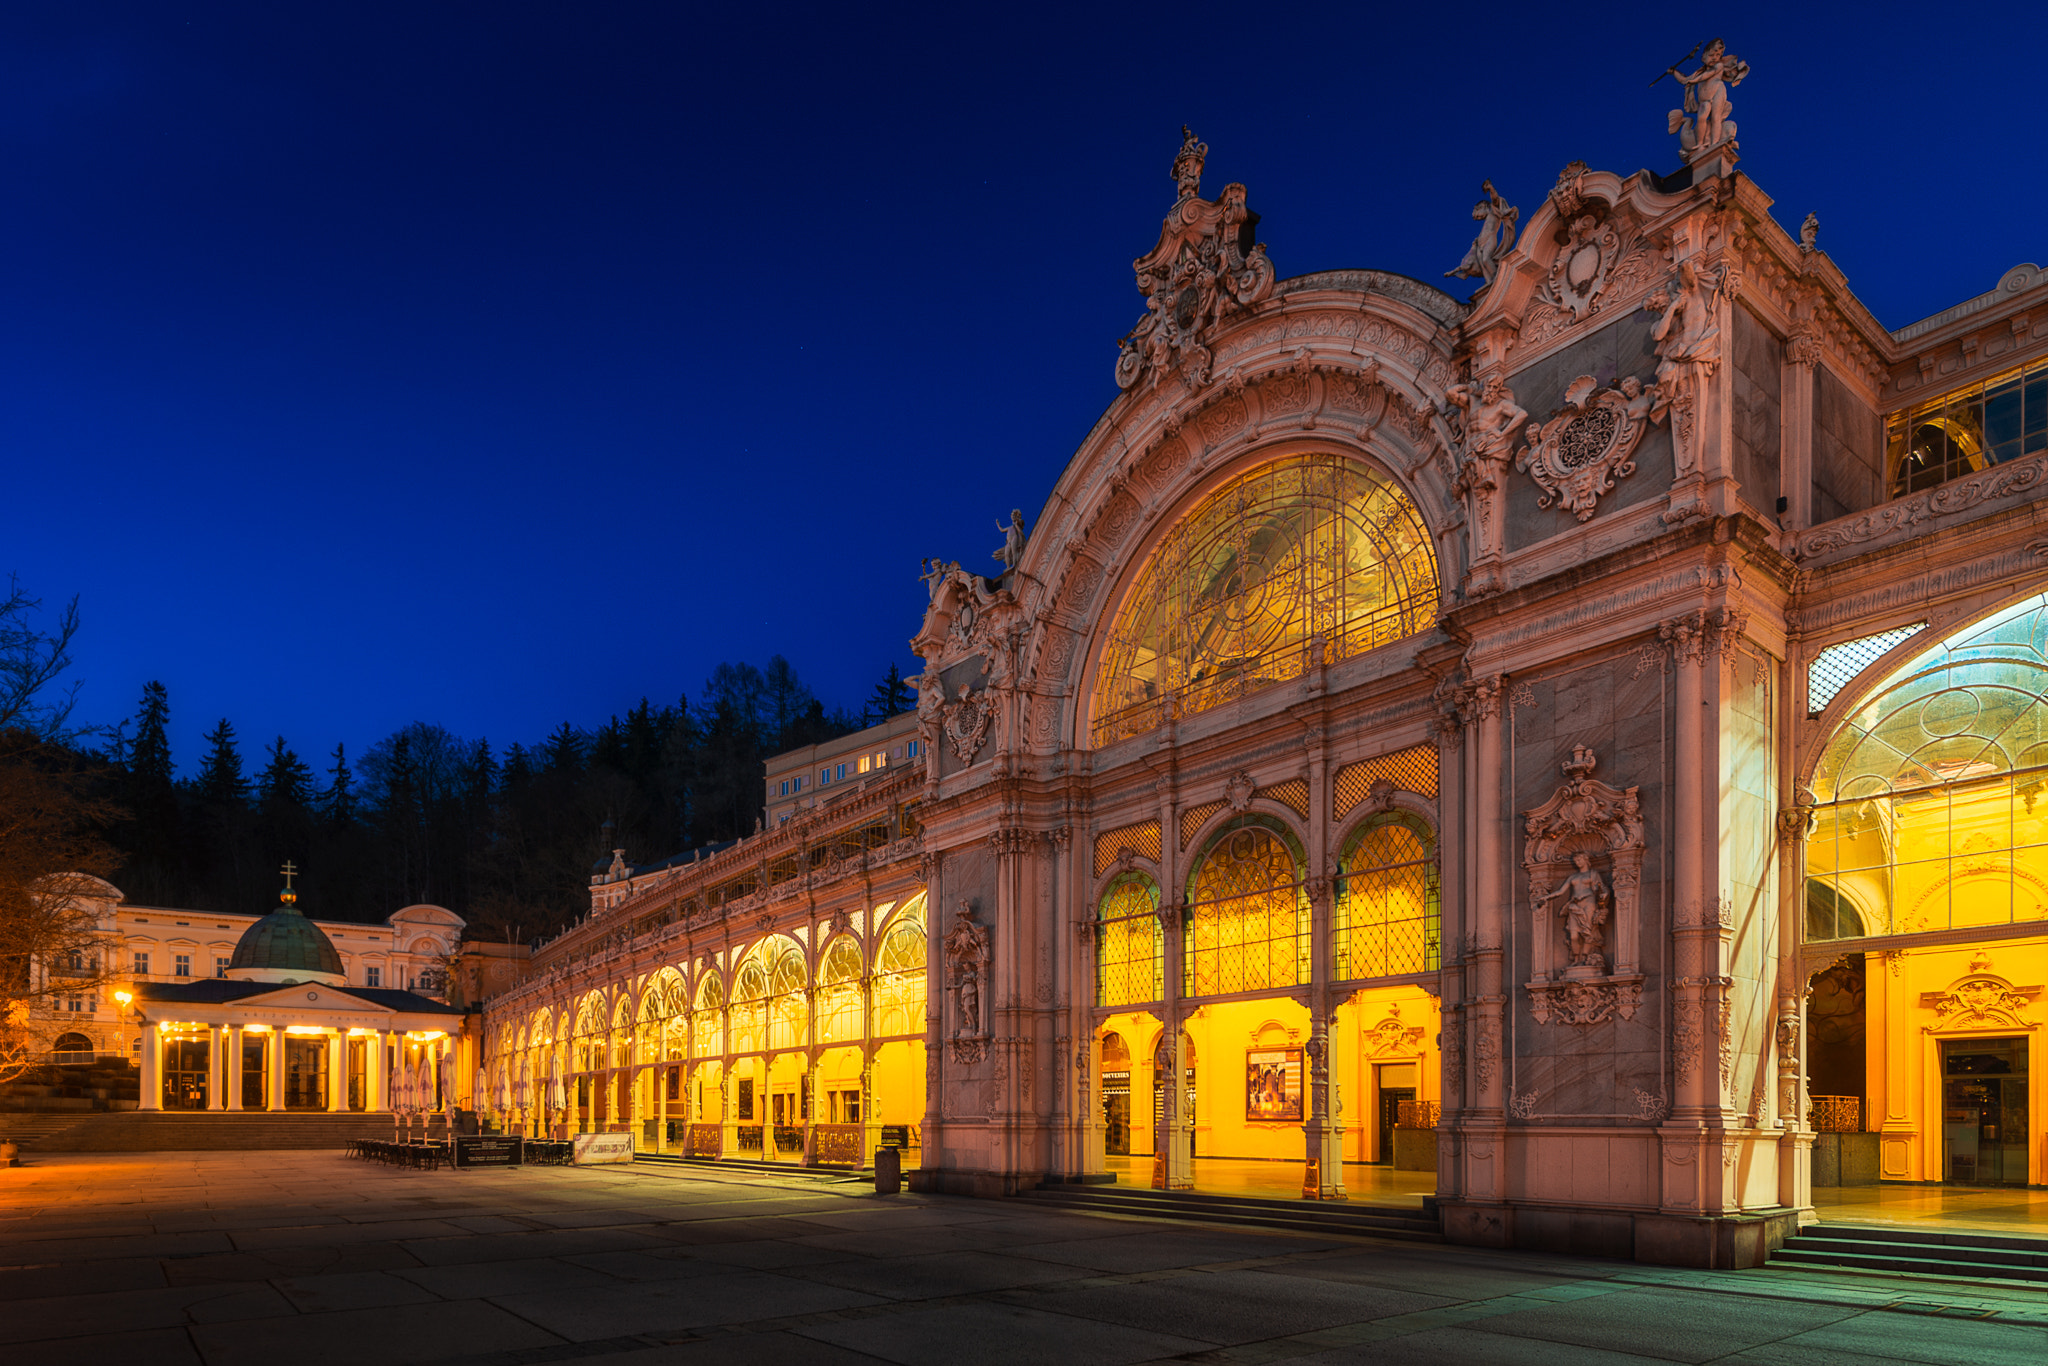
{"points": [[1578, 454], [967, 962], [1206, 266], [1585, 822]]}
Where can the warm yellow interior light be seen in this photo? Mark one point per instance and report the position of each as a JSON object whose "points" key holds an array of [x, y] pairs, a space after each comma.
{"points": [[425, 1035], [257, 1028], [304, 1029]]}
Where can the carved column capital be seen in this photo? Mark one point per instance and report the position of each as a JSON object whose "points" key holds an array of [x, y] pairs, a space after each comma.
{"points": [[1726, 627], [1687, 637], [1480, 699]]}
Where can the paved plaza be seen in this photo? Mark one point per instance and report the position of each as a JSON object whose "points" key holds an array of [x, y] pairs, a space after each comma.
{"points": [[255, 1258]]}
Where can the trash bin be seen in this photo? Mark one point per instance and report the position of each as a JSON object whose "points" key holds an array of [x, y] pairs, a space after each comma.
{"points": [[888, 1171]]}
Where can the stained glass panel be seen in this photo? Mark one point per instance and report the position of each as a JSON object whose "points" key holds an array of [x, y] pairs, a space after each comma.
{"points": [[1308, 546]]}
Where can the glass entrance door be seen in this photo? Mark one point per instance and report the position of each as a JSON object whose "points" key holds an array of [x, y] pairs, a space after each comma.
{"points": [[1116, 1114], [305, 1073], [1984, 1111], [185, 1074]]}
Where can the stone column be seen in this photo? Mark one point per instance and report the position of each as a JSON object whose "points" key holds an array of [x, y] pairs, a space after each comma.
{"points": [[337, 1071], [152, 1097], [216, 1067], [1795, 430], [1696, 921], [1491, 912], [232, 1083], [376, 1074], [1171, 1169], [273, 1044]]}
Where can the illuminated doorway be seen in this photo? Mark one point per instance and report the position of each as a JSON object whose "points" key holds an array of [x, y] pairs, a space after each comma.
{"points": [[1984, 1111]]}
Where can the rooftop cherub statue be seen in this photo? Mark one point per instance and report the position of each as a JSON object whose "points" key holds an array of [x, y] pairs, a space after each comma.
{"points": [[1706, 101], [1496, 218], [1012, 549]]}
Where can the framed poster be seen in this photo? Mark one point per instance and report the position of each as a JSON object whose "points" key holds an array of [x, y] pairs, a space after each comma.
{"points": [[1272, 1085]]}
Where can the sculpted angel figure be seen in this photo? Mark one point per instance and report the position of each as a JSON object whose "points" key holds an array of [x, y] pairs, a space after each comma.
{"points": [[1497, 219], [1490, 418], [1012, 549], [1688, 328], [1585, 911], [1706, 99]]}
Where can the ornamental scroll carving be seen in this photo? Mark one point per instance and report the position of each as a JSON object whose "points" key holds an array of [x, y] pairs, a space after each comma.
{"points": [[1580, 915], [1982, 1000], [1207, 265], [1588, 443], [967, 721]]}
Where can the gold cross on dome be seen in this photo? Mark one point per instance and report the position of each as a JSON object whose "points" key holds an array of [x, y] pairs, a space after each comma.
{"points": [[288, 869]]}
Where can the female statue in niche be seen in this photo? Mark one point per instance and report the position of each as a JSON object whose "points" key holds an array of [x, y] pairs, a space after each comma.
{"points": [[1585, 913]]}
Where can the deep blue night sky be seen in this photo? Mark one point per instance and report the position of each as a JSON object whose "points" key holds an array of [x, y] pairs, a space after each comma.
{"points": [[496, 365]]}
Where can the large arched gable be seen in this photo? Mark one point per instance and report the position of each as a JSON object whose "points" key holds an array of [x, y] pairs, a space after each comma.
{"points": [[1357, 363]]}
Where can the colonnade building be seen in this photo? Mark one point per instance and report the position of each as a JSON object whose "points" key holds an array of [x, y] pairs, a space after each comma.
{"points": [[281, 1027], [1572, 753]]}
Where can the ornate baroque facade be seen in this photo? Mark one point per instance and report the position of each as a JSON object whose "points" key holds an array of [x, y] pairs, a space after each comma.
{"points": [[1432, 713]]}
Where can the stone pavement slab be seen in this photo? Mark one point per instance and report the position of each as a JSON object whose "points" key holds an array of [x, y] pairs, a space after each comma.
{"points": [[249, 1259]]}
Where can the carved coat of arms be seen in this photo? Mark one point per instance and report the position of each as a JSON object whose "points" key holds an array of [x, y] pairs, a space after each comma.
{"points": [[1589, 443], [1207, 263]]}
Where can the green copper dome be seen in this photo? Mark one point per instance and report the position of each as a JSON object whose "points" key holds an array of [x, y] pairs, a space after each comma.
{"points": [[285, 946]]}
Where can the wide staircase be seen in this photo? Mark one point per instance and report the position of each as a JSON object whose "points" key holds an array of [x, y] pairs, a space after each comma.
{"points": [[1967, 1254], [1345, 1218], [177, 1131]]}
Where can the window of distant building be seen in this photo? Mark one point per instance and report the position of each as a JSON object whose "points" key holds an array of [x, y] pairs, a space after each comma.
{"points": [[373, 977], [910, 749], [864, 763], [220, 967], [824, 775], [141, 965], [183, 965], [840, 773]]}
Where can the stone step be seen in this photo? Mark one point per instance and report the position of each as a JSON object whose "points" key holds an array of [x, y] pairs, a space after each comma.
{"points": [[745, 1164], [159, 1131], [1954, 1253], [1305, 1216], [29, 1130]]}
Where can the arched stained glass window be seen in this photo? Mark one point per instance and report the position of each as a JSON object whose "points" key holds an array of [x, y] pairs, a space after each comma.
{"points": [[900, 974], [839, 992], [1307, 546], [1130, 951], [1388, 919], [1928, 794], [707, 1038], [1248, 918]]}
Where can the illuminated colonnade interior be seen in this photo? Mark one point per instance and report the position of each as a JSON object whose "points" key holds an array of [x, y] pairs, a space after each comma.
{"points": [[1930, 838], [777, 1052]]}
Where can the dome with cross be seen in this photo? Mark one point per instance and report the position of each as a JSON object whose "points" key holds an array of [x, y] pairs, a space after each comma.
{"points": [[284, 946]]}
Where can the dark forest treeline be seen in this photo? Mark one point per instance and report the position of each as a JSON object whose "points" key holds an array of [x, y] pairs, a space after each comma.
{"points": [[505, 838]]}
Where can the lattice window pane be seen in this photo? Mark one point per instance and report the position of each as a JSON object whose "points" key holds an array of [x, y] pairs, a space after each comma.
{"points": [[1130, 946], [1248, 918], [1410, 770], [1835, 667], [1141, 839], [1388, 918]]}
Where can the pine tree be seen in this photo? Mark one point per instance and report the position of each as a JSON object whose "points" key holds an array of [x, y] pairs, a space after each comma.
{"points": [[285, 782], [221, 783], [338, 798], [891, 697], [562, 752]]}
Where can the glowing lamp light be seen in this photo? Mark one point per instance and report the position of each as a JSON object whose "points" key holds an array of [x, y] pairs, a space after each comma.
{"points": [[124, 997]]}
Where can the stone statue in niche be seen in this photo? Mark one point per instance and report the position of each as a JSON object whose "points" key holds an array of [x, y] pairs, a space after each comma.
{"points": [[1491, 417], [1584, 893], [1586, 820], [1703, 125], [1496, 218], [967, 961]]}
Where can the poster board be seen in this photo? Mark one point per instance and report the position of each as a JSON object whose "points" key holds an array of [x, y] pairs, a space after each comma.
{"points": [[596, 1149], [1272, 1085]]}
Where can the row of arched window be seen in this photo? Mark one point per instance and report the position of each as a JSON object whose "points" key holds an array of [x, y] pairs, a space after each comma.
{"points": [[765, 1004], [1248, 915]]}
